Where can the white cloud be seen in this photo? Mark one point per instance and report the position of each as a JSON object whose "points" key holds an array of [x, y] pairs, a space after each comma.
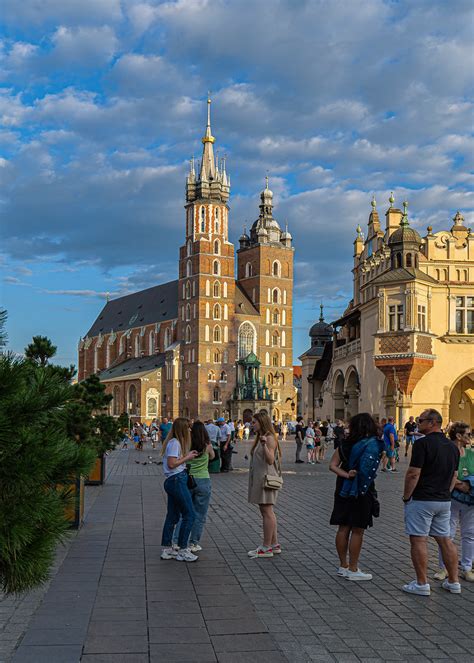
{"points": [[83, 46]]}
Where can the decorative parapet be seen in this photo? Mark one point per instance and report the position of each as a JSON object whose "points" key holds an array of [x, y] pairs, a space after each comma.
{"points": [[347, 350]]}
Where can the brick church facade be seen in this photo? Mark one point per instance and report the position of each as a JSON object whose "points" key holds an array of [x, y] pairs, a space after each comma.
{"points": [[217, 341]]}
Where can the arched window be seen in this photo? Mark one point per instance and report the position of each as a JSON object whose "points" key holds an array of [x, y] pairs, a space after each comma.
{"points": [[226, 312], [275, 360], [283, 339], [217, 247], [188, 290], [188, 311], [168, 337], [248, 269], [270, 378], [216, 336], [283, 317], [189, 268], [216, 268], [216, 312], [207, 309], [275, 339], [151, 343], [203, 219], [116, 402], [208, 288], [399, 260], [276, 268], [275, 296], [211, 376], [283, 359], [216, 220], [409, 260], [132, 399], [206, 333], [247, 340], [216, 289], [224, 294], [223, 377], [267, 337], [267, 316], [107, 355], [267, 359], [151, 407], [226, 334], [284, 296], [216, 356], [216, 395], [137, 346], [276, 317], [189, 247], [188, 334]]}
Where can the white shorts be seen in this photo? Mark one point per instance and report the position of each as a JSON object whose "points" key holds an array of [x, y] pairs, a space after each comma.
{"points": [[424, 518]]}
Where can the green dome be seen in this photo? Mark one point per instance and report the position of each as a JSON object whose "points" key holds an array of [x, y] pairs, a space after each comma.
{"points": [[405, 235]]}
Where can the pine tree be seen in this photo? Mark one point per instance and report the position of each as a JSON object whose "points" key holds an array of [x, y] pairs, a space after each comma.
{"points": [[40, 350], [37, 456]]}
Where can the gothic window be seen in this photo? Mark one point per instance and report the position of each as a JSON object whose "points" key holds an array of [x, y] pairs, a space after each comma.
{"points": [[223, 377], [226, 334], [132, 399], [283, 339], [193, 355], [247, 339], [208, 288], [276, 317], [207, 309], [216, 268], [107, 355], [203, 219], [216, 312], [152, 407], [283, 359], [225, 357], [226, 312], [168, 337], [284, 296], [270, 378], [225, 289], [216, 356], [189, 247], [151, 343], [421, 317], [122, 344], [217, 247], [188, 290], [275, 360], [267, 316], [267, 337], [211, 376], [216, 289], [267, 359], [276, 268], [216, 221], [194, 288], [206, 333], [409, 260], [216, 395], [188, 334], [217, 334], [188, 311], [275, 296], [248, 270], [189, 269], [182, 313], [116, 402], [194, 311], [283, 317], [275, 339]]}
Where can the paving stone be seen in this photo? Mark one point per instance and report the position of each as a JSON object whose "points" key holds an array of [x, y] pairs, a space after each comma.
{"points": [[170, 635], [45, 654], [54, 636], [177, 653], [248, 657], [129, 627], [237, 643], [114, 658], [235, 625], [119, 644]]}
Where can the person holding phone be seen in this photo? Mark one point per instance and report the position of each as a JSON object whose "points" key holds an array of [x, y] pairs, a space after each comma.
{"points": [[265, 461], [176, 454]]}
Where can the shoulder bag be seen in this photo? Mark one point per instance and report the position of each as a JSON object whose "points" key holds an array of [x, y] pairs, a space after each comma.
{"points": [[272, 481]]}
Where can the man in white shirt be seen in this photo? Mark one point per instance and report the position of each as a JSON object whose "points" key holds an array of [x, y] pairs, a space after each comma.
{"points": [[226, 449]]}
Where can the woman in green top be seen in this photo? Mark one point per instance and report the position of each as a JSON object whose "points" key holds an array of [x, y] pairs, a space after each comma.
{"points": [[201, 493]]}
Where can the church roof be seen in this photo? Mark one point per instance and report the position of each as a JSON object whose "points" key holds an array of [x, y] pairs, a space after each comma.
{"points": [[404, 274], [323, 365], [243, 305], [133, 367], [145, 307]]}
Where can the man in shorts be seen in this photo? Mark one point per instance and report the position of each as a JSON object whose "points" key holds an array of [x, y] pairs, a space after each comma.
{"points": [[410, 430], [390, 438], [427, 497]]}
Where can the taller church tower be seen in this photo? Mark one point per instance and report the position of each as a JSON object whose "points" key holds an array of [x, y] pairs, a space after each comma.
{"points": [[206, 288]]}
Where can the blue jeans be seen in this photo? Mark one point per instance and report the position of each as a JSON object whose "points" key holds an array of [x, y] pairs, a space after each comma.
{"points": [[180, 505], [201, 496]]}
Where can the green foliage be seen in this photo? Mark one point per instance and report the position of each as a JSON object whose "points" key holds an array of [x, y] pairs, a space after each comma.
{"points": [[3, 333], [40, 350], [37, 455], [123, 421]]}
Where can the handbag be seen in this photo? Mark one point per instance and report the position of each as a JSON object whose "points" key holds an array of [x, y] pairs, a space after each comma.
{"points": [[272, 481], [191, 482]]}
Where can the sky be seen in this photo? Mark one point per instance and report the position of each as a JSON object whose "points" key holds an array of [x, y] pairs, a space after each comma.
{"points": [[102, 103]]}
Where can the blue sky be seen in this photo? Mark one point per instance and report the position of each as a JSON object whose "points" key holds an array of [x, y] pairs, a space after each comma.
{"points": [[102, 104]]}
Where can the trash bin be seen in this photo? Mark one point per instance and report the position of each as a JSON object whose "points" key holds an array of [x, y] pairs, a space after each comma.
{"points": [[215, 464]]}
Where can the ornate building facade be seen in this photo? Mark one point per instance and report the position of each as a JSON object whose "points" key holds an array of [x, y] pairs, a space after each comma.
{"points": [[406, 339], [216, 342]]}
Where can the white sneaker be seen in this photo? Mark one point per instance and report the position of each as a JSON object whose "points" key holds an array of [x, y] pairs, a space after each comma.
{"points": [[185, 555], [168, 553], [441, 574], [357, 575], [453, 587], [195, 547], [276, 549], [260, 552], [414, 588], [342, 571]]}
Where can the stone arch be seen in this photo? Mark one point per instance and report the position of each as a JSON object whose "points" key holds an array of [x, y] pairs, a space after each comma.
{"points": [[338, 394], [461, 398], [351, 390]]}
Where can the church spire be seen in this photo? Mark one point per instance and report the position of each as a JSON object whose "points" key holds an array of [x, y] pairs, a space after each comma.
{"points": [[208, 162], [321, 317]]}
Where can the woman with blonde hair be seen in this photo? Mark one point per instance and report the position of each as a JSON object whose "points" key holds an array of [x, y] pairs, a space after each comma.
{"points": [[176, 454], [265, 469]]}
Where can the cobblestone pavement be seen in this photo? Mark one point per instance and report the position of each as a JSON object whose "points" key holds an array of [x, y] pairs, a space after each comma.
{"points": [[113, 600]]}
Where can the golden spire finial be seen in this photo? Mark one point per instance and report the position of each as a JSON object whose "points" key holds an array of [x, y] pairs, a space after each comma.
{"points": [[266, 180], [391, 200], [373, 202]]}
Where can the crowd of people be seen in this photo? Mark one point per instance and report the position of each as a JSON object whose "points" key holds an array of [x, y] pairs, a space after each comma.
{"points": [[438, 493]]}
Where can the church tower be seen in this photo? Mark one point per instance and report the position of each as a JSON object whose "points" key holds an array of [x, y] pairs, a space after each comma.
{"points": [[265, 273], [206, 288]]}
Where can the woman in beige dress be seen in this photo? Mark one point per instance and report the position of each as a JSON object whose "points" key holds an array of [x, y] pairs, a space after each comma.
{"points": [[265, 460]]}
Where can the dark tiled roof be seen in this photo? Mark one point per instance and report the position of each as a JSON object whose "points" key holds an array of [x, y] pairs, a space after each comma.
{"points": [[321, 370], [404, 274], [243, 305], [133, 366], [315, 351], [145, 307]]}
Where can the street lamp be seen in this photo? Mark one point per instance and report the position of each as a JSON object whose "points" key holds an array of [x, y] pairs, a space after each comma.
{"points": [[346, 397], [320, 400]]}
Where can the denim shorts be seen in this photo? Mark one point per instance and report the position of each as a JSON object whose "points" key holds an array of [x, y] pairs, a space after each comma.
{"points": [[423, 518]]}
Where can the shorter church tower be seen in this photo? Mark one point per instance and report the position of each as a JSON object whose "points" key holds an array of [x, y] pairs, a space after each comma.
{"points": [[265, 274]]}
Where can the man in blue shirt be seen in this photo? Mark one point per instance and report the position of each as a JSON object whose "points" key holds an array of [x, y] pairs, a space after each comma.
{"points": [[165, 428], [390, 437]]}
